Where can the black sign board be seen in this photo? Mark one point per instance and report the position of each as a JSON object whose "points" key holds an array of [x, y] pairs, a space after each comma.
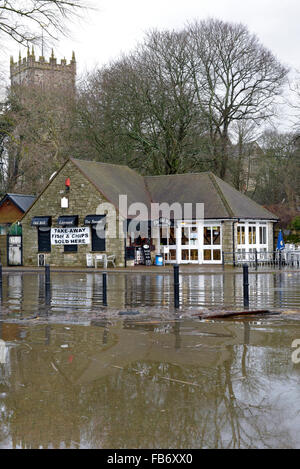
{"points": [[147, 254], [93, 219], [41, 221], [68, 220]]}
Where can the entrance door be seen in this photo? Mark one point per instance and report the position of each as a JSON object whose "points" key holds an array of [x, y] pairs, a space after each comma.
{"points": [[212, 244], [14, 250], [189, 244]]}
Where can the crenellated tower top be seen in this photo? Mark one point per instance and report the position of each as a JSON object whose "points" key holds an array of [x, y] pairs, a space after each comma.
{"points": [[30, 71]]}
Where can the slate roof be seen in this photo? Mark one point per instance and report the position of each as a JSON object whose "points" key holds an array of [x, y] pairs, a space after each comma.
{"points": [[221, 200], [22, 201], [114, 180]]}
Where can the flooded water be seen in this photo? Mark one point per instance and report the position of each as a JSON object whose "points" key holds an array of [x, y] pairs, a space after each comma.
{"points": [[24, 293], [132, 383], [75, 374]]}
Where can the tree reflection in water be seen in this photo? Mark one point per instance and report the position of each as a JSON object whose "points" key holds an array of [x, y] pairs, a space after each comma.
{"points": [[132, 385]]}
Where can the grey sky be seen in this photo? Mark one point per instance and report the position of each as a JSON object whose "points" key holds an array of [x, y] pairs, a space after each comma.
{"points": [[117, 25]]}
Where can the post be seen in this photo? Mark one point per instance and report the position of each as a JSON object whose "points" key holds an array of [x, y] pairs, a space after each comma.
{"points": [[47, 276], [104, 289], [255, 252], [246, 285], [223, 259], [280, 261], [47, 285], [1, 281], [176, 285]]}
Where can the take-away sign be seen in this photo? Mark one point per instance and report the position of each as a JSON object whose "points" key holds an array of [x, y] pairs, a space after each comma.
{"points": [[74, 235]]}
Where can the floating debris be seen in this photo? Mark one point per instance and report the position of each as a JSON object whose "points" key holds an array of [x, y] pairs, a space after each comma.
{"points": [[128, 313], [226, 314]]}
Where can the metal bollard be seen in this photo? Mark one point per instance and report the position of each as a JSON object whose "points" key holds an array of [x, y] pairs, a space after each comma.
{"points": [[255, 252], [47, 285], [1, 280], [104, 289], [176, 286], [280, 260], [246, 285], [47, 276]]}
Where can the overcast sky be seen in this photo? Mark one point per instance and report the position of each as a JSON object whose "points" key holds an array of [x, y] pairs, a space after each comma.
{"points": [[117, 25]]}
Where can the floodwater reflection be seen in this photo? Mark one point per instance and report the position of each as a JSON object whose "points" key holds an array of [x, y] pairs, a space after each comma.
{"points": [[24, 293], [150, 384]]}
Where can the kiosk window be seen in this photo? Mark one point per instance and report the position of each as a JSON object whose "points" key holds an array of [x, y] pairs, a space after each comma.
{"points": [[98, 243], [44, 243]]}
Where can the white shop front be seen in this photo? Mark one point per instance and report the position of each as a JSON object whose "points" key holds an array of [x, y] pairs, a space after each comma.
{"points": [[194, 242]]}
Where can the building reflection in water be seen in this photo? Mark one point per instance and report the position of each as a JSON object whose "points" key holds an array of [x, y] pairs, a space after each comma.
{"points": [[24, 294]]}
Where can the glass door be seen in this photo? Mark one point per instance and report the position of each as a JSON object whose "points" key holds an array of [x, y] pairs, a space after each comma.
{"points": [[212, 249], [168, 243], [189, 244]]}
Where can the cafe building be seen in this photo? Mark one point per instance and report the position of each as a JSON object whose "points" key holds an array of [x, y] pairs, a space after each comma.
{"points": [[61, 228]]}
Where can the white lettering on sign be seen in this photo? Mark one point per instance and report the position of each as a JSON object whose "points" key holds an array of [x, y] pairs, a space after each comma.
{"points": [[61, 236]]}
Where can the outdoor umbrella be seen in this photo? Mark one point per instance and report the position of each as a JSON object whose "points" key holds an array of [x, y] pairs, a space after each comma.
{"points": [[280, 242]]}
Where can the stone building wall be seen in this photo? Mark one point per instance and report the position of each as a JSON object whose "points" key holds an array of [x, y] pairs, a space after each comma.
{"points": [[270, 229], [227, 245], [84, 199], [3, 250], [31, 72]]}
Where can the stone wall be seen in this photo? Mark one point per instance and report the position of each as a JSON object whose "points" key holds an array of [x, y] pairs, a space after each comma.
{"points": [[227, 246], [84, 199], [3, 250], [271, 246]]}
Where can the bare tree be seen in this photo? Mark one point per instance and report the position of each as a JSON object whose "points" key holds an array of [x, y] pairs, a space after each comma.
{"points": [[235, 77], [278, 174], [140, 110], [26, 21]]}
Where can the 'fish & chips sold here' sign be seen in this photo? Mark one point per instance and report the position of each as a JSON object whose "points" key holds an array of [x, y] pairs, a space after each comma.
{"points": [[80, 235]]}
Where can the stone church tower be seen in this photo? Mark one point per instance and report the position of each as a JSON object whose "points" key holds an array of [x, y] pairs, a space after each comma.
{"points": [[40, 73]]}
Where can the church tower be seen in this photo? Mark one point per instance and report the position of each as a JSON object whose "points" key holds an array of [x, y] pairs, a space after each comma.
{"points": [[40, 73]]}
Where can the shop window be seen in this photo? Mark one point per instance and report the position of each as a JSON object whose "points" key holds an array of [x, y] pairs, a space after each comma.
{"points": [[172, 254], [185, 255], [212, 235], [207, 254], [252, 234], [216, 232], [193, 236], [172, 238], [44, 241], [98, 242], [194, 254], [262, 235], [241, 235], [216, 254], [207, 235], [184, 236]]}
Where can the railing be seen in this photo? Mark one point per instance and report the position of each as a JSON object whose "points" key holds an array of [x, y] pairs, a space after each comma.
{"points": [[257, 259]]}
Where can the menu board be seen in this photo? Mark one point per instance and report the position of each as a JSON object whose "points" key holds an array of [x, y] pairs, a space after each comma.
{"points": [[147, 254]]}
